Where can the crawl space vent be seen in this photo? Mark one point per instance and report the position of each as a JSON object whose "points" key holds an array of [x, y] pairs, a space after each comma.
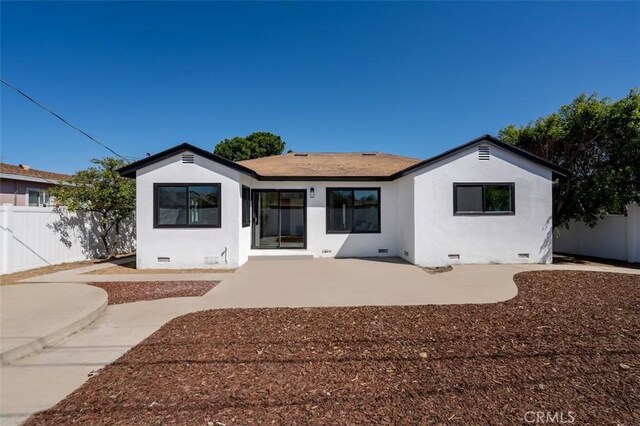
{"points": [[454, 256], [483, 152], [164, 259], [523, 255], [383, 250], [188, 158]]}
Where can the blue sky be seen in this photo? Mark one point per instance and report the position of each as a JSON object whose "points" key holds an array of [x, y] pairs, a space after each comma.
{"points": [[407, 78]]}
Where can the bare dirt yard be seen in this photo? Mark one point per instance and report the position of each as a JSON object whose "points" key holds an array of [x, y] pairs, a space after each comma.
{"points": [[50, 269], [130, 268], [134, 291], [568, 345]]}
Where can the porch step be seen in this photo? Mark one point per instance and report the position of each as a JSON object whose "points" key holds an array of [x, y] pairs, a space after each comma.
{"points": [[279, 255]]}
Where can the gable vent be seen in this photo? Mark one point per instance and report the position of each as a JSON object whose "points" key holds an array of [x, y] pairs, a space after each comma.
{"points": [[483, 152], [188, 158]]}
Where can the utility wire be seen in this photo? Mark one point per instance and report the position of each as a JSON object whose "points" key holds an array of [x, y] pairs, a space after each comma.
{"points": [[62, 119]]}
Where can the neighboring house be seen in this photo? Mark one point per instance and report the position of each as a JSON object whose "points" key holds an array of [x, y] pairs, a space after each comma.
{"points": [[23, 186], [482, 202]]}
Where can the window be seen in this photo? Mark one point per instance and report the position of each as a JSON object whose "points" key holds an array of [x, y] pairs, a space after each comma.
{"points": [[484, 198], [38, 197], [181, 205], [246, 206], [351, 210]]}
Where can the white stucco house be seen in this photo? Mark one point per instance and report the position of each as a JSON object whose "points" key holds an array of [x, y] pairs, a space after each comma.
{"points": [[481, 202]]}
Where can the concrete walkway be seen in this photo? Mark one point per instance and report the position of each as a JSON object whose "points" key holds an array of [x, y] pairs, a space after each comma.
{"points": [[41, 380], [34, 316]]}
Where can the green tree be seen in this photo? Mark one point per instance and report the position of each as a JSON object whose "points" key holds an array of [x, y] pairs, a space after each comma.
{"points": [[101, 191], [598, 141], [256, 145]]}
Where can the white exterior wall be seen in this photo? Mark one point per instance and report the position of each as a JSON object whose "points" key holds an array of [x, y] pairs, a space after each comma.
{"points": [[188, 247], [614, 237], [416, 216], [244, 240], [482, 239], [406, 219], [321, 244]]}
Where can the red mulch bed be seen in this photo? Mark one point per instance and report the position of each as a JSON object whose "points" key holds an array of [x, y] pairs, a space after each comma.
{"points": [[132, 291], [568, 344]]}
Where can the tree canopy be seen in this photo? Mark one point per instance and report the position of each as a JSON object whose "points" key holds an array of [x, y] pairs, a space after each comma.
{"points": [[103, 191], [255, 145], [598, 141]]}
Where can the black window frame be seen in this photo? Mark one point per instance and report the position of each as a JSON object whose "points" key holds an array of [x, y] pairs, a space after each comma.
{"points": [[353, 189], [156, 187], [246, 203], [484, 211]]}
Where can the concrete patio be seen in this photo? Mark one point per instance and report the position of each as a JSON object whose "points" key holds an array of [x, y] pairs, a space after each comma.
{"points": [[39, 381]]}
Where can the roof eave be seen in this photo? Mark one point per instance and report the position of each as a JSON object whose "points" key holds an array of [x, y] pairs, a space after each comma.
{"points": [[26, 178], [326, 178]]}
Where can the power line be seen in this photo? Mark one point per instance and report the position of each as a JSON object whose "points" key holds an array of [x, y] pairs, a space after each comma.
{"points": [[62, 119]]}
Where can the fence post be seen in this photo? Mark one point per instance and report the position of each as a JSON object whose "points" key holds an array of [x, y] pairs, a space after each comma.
{"points": [[7, 238], [633, 233]]}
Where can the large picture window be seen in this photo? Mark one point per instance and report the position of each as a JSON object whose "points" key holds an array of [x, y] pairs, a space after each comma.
{"points": [[484, 198], [183, 205], [246, 206], [353, 210]]}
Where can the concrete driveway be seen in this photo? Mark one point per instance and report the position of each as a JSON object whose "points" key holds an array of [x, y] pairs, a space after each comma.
{"points": [[358, 282]]}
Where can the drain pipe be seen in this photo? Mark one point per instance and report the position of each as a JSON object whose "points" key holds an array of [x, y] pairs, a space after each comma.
{"points": [[225, 255]]}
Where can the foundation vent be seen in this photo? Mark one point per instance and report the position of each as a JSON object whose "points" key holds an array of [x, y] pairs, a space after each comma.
{"points": [[383, 250], [454, 256], [406, 253], [188, 158], [164, 259], [523, 255], [483, 152]]}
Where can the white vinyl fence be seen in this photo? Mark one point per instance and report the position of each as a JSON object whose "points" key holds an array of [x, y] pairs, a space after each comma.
{"points": [[37, 236], [614, 237]]}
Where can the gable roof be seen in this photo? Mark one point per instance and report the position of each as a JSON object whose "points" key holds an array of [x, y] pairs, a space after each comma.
{"points": [[485, 139], [22, 172], [332, 166], [130, 169]]}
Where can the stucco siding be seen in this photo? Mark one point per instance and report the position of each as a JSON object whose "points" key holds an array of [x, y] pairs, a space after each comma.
{"points": [[406, 219], [483, 239], [188, 247], [417, 218], [322, 244]]}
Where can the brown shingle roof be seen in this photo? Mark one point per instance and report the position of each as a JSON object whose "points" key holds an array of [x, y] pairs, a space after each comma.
{"points": [[348, 164], [27, 171]]}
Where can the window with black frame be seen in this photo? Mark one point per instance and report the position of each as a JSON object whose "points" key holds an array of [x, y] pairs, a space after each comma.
{"points": [[246, 206], [484, 199], [353, 210], [180, 205]]}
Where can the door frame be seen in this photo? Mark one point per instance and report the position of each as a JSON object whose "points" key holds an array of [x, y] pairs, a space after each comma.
{"points": [[254, 215]]}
